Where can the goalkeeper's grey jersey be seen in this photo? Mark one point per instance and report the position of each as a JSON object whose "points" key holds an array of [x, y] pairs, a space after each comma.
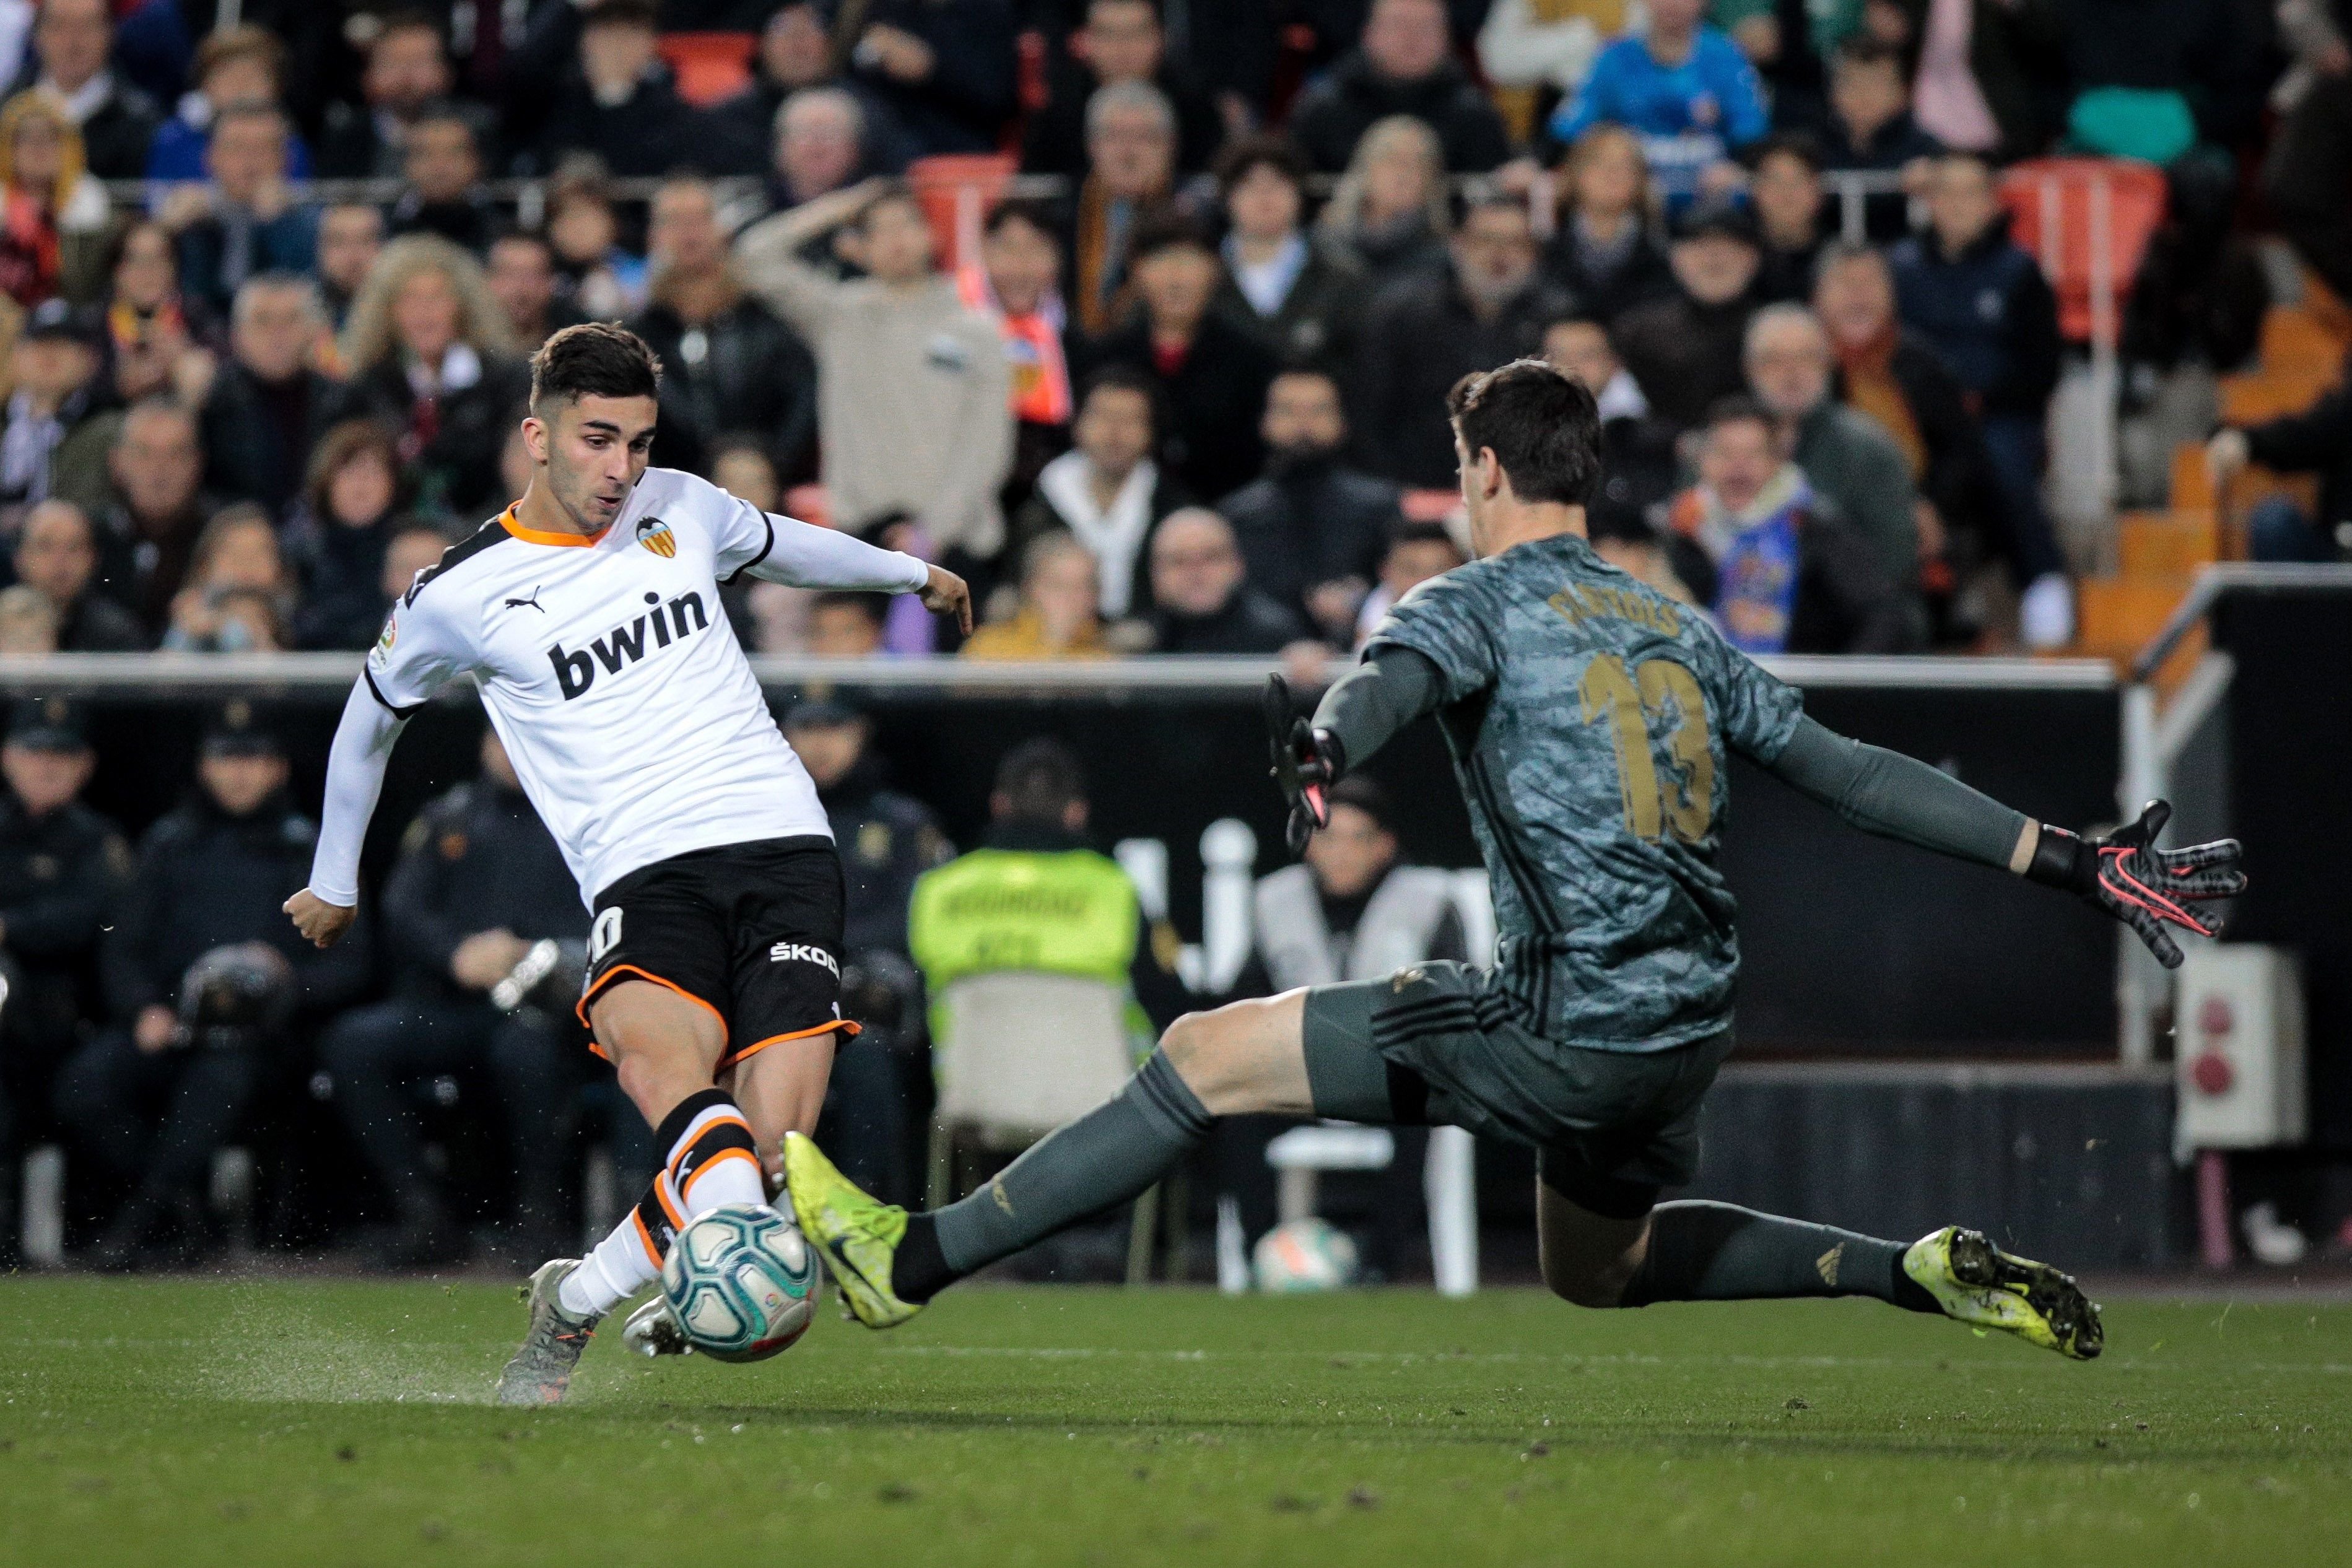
{"points": [[1588, 717]]}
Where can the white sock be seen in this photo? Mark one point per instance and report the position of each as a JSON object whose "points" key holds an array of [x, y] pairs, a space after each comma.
{"points": [[624, 1263], [720, 1165]]}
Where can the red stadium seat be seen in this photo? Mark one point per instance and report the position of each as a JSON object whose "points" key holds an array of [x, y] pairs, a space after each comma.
{"points": [[2058, 207], [957, 189], [709, 67]]}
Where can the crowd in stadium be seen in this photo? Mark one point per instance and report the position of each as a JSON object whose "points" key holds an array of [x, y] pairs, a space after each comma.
{"points": [[1183, 393]]}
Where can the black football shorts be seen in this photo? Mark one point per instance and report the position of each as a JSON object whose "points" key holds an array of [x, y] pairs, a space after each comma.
{"points": [[751, 932]]}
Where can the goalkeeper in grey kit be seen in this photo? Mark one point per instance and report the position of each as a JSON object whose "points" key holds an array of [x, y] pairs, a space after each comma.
{"points": [[1588, 718]]}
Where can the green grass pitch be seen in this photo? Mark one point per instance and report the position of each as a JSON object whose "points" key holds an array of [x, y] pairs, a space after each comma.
{"points": [[327, 1423]]}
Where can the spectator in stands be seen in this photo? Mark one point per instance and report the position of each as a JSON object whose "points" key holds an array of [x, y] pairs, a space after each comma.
{"points": [[1107, 491], [1016, 283], [620, 104], [1132, 147], [204, 978], [151, 527], [1638, 466], [268, 406], [1404, 65], [151, 333], [1119, 40], [53, 236], [1057, 616], [794, 56], [1602, 253], [1211, 376], [1301, 295], [843, 626], [913, 412], [28, 624], [49, 444], [520, 275], [887, 840], [62, 868], [1389, 210], [1311, 528], [441, 167], [339, 537], [1425, 334], [1683, 350], [1201, 598], [820, 144], [1532, 45], [71, 40], [245, 219], [1981, 302], [1985, 73], [947, 73], [479, 883], [1786, 190], [1680, 85], [1890, 376], [1848, 459], [234, 66], [351, 237], [430, 353], [595, 276], [2307, 176], [1781, 573], [728, 364], [1416, 553], [408, 68], [57, 557], [1871, 129], [237, 592], [2316, 440]]}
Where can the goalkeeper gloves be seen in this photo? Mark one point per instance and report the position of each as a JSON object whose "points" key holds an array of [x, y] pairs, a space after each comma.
{"points": [[2148, 889], [1307, 763]]}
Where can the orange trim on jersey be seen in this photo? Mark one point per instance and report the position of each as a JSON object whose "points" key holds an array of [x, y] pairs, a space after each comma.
{"points": [[684, 1192], [540, 536], [646, 1236], [580, 1009], [756, 1046]]}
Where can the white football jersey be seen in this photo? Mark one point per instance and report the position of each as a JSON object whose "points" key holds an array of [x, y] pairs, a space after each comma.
{"points": [[609, 670]]}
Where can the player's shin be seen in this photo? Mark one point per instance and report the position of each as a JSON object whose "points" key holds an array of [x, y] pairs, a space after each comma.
{"points": [[1109, 1155], [711, 1161], [1703, 1251]]}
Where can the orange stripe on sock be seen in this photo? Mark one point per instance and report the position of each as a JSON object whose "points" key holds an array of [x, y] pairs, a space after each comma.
{"points": [[756, 1046], [661, 1196], [687, 1191], [646, 1236], [688, 1143]]}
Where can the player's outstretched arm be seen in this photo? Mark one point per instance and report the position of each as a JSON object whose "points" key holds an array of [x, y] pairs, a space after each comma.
{"points": [[2123, 874], [806, 556], [1359, 713], [364, 740]]}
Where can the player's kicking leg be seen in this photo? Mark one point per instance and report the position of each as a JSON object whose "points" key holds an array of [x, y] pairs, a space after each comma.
{"points": [[1312, 1052], [664, 1047]]}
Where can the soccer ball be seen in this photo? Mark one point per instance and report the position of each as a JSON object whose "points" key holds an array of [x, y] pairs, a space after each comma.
{"points": [[1304, 1255], [743, 1282]]}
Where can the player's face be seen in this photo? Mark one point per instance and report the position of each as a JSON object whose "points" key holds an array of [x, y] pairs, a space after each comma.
{"points": [[594, 452]]}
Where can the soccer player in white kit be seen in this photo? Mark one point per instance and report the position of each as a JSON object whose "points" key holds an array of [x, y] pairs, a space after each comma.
{"points": [[588, 614]]}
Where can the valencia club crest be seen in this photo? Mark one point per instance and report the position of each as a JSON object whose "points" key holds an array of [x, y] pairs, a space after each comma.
{"points": [[656, 536]]}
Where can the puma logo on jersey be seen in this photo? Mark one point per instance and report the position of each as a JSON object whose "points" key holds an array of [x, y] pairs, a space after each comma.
{"points": [[532, 602], [575, 670], [802, 952]]}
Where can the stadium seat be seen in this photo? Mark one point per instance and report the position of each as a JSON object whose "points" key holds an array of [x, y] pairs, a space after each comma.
{"points": [[711, 67], [1021, 1053], [956, 190], [1449, 1184], [2056, 206]]}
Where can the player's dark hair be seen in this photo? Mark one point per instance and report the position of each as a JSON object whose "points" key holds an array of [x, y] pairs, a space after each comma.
{"points": [[594, 359], [1040, 780], [1540, 423]]}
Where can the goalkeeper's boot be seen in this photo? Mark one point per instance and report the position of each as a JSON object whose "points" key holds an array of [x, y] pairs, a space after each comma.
{"points": [[1977, 1283], [859, 1235], [542, 1370], [653, 1329]]}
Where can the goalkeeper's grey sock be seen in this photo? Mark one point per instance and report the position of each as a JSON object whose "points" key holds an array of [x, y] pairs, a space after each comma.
{"points": [[1103, 1158], [1703, 1251]]}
